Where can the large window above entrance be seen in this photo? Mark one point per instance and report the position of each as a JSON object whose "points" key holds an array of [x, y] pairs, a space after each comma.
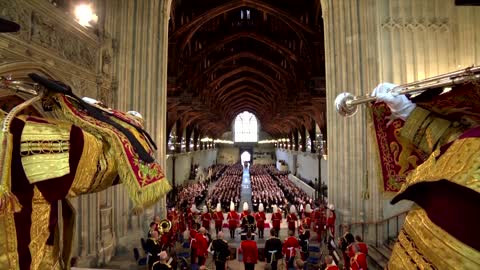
{"points": [[246, 128]]}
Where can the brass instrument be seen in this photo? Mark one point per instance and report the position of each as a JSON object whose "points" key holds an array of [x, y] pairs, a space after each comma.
{"points": [[346, 103], [164, 226]]}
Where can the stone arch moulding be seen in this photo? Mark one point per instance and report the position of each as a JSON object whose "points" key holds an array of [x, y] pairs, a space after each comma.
{"points": [[20, 71]]}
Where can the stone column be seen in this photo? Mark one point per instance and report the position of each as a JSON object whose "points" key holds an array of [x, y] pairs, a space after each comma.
{"points": [[352, 59]]}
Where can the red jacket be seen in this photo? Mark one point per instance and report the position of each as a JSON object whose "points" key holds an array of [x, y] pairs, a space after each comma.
{"points": [[276, 220], [193, 233], [358, 262], [292, 221], [218, 217], [331, 267], [289, 247], [232, 218], [201, 245], [206, 218], [363, 249], [244, 213], [260, 218], [249, 250]]}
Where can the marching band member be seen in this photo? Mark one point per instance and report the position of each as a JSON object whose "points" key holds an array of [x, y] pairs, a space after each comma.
{"points": [[153, 248], [249, 250], [206, 218], [192, 215], [233, 220], [289, 249], [331, 217], [260, 219], [245, 212], [307, 216], [292, 219], [276, 218], [193, 244], [218, 217], [319, 221], [359, 260]]}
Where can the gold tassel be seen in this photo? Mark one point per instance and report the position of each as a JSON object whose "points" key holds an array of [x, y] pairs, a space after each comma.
{"points": [[8, 201]]}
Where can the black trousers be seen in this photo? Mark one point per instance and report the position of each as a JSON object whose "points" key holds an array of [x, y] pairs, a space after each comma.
{"points": [[201, 260], [193, 254], [218, 229], [291, 262], [232, 234], [249, 266], [274, 265], [260, 233], [219, 265]]}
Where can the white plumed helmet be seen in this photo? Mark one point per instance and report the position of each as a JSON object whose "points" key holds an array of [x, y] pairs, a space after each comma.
{"points": [[205, 209], [308, 208], [136, 114], [245, 206], [260, 207], [193, 208], [232, 206], [274, 208], [331, 207], [292, 209], [219, 207]]}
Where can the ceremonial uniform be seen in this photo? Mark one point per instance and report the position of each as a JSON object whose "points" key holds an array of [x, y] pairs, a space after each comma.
{"points": [[206, 218], [260, 219], [201, 245], [319, 219], [221, 253], [161, 266], [273, 251], [250, 253], [233, 220], [289, 246], [331, 220], [358, 262], [153, 248], [276, 219], [218, 217], [304, 238], [193, 245], [292, 219], [332, 267], [362, 247]]}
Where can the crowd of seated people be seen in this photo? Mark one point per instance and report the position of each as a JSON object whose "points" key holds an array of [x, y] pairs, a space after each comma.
{"points": [[191, 193], [226, 189], [293, 194], [215, 171], [264, 189], [236, 169]]}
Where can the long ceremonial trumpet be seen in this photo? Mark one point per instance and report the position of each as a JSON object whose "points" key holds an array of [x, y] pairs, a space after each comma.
{"points": [[346, 103]]}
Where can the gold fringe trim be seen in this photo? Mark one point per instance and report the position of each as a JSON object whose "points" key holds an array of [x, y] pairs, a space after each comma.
{"points": [[141, 196], [8, 201]]}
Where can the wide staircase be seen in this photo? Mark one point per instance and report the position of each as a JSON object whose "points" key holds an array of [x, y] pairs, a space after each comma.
{"points": [[381, 246]]}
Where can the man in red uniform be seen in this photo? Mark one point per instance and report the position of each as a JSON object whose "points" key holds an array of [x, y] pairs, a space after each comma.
{"points": [[289, 249], [331, 217], [245, 211], [233, 219], [260, 219], [292, 219], [193, 244], [361, 245], [317, 223], [250, 252], [359, 260], [192, 216], [201, 246], [206, 218], [307, 216], [330, 264], [218, 217], [276, 219]]}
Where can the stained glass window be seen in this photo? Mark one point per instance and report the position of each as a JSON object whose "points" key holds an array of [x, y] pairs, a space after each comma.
{"points": [[246, 127]]}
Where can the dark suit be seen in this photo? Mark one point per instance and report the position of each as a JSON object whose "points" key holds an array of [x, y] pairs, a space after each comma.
{"points": [[153, 248], [273, 251], [221, 253]]}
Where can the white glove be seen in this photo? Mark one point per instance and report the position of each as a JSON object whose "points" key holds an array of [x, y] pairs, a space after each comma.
{"points": [[399, 105]]}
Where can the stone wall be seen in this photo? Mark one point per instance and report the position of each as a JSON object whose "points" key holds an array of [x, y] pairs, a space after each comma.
{"points": [[183, 162], [303, 164]]}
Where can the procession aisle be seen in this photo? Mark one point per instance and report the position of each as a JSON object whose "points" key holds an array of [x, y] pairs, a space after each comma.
{"points": [[246, 192]]}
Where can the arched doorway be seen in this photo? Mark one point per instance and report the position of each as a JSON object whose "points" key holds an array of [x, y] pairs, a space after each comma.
{"points": [[246, 158]]}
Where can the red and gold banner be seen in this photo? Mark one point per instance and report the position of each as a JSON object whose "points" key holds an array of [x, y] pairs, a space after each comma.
{"points": [[397, 155]]}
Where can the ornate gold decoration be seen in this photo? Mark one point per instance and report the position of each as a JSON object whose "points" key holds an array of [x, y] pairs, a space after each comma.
{"points": [[423, 245], [39, 232]]}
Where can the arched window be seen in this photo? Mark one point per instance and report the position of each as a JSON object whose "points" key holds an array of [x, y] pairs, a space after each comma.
{"points": [[246, 128]]}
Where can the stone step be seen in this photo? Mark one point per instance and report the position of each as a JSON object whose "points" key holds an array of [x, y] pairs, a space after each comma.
{"points": [[378, 256]]}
